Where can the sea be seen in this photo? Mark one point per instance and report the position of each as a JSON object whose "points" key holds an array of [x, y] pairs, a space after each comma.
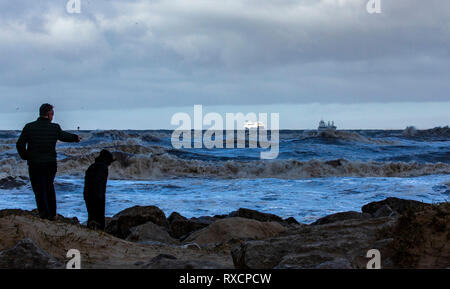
{"points": [[314, 175]]}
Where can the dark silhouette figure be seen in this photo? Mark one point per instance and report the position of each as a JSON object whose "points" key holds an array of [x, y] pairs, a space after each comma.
{"points": [[37, 145], [95, 190]]}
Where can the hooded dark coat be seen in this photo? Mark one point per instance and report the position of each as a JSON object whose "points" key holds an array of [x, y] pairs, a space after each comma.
{"points": [[95, 189]]}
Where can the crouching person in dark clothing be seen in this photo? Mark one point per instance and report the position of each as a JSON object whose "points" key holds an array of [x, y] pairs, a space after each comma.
{"points": [[95, 190]]}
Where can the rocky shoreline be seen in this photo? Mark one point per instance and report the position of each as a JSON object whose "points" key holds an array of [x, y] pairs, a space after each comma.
{"points": [[408, 234]]}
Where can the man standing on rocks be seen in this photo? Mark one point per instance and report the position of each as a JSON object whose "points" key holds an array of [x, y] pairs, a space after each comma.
{"points": [[37, 145]]}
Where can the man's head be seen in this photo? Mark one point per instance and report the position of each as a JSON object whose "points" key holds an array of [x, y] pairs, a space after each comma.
{"points": [[46, 110]]}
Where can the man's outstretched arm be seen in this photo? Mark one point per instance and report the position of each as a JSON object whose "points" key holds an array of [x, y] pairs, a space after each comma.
{"points": [[21, 144], [66, 136]]}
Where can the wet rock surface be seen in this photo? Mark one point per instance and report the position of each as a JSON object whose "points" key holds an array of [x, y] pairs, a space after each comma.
{"points": [[408, 234], [27, 255], [255, 215], [236, 228], [149, 232], [341, 217], [121, 223], [395, 205], [180, 227], [310, 246]]}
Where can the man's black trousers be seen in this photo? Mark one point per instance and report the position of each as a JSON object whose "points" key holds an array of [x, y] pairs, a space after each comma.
{"points": [[42, 177]]}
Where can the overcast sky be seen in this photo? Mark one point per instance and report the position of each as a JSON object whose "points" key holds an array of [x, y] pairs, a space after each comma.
{"points": [[131, 64]]}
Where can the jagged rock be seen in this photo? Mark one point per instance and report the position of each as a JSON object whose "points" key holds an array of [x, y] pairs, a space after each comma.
{"points": [[291, 220], [255, 215], [165, 261], [309, 246], [122, 222], [230, 229], [421, 239], [341, 217], [180, 226], [395, 204], [27, 255], [9, 182], [150, 232]]}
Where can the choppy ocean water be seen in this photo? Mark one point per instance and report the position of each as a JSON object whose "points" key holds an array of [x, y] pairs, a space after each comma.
{"points": [[313, 176]]}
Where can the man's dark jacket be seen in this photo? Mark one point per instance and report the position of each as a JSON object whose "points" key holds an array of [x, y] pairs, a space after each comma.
{"points": [[41, 137]]}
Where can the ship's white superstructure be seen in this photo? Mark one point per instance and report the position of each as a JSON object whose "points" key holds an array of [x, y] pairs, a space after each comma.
{"points": [[326, 126]]}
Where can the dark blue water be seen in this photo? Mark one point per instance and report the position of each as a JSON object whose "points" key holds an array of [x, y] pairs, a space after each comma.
{"points": [[364, 166]]}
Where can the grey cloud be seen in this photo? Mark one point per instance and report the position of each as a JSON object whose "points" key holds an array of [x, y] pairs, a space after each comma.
{"points": [[126, 54]]}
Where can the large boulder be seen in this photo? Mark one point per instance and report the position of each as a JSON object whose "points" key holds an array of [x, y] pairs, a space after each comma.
{"points": [[310, 246], [180, 226], [341, 217], [149, 233], [231, 229], [255, 215], [395, 204], [27, 255], [421, 239], [122, 222]]}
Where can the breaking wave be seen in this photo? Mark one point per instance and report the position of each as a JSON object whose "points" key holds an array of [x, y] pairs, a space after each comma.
{"points": [[147, 155], [138, 162], [411, 131], [351, 136], [165, 165]]}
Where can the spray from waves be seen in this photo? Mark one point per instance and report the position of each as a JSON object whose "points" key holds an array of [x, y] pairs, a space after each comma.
{"points": [[138, 161], [348, 136], [147, 162], [111, 134], [411, 131], [164, 165], [4, 148], [8, 141], [155, 166], [119, 135]]}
